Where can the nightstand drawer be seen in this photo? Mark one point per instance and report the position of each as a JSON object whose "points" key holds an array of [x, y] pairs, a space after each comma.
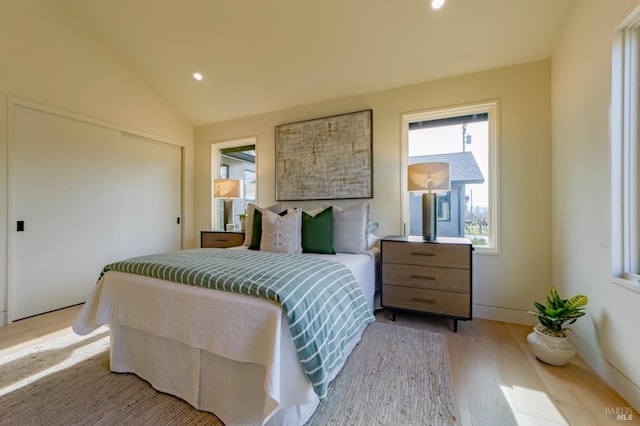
{"points": [[429, 277], [445, 255], [221, 239], [432, 301]]}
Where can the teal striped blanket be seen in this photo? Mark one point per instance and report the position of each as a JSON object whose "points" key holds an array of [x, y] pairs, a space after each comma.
{"points": [[323, 303]]}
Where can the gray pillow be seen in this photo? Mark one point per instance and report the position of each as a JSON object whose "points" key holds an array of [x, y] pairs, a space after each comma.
{"points": [[276, 208], [351, 228], [282, 234]]}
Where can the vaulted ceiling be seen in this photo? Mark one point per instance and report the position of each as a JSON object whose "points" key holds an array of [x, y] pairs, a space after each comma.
{"points": [[264, 55]]}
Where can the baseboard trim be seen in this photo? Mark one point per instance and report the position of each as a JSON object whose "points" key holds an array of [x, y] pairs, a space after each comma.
{"points": [[497, 313], [3, 318], [614, 378]]}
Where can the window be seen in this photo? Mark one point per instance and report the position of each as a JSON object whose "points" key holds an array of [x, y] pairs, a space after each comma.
{"points": [[466, 138], [233, 160], [625, 151], [249, 188]]}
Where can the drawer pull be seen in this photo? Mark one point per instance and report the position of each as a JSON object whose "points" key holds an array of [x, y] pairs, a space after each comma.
{"points": [[427, 301], [423, 277], [413, 253], [221, 239]]}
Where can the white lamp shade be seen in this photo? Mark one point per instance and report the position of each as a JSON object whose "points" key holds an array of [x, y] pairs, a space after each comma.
{"points": [[227, 188], [425, 177]]}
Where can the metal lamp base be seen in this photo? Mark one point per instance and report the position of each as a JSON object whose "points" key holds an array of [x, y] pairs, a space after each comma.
{"points": [[429, 216]]}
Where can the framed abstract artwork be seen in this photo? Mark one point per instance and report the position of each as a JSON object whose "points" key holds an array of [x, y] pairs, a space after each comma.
{"points": [[325, 158]]}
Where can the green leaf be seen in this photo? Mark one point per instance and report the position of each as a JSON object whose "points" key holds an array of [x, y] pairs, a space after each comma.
{"points": [[539, 306], [577, 301]]}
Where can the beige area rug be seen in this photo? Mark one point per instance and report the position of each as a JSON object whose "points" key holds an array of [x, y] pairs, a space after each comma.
{"points": [[395, 376]]}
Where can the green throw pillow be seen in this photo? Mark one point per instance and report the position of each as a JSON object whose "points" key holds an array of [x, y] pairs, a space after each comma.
{"points": [[317, 232], [256, 230]]}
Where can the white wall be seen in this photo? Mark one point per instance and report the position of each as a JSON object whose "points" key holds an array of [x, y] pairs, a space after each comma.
{"points": [[581, 94], [505, 284], [47, 57]]}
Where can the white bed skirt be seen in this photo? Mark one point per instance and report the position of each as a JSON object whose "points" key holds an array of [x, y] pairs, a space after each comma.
{"points": [[234, 391]]}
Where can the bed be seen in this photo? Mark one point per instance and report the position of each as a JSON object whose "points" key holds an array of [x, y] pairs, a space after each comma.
{"points": [[228, 353]]}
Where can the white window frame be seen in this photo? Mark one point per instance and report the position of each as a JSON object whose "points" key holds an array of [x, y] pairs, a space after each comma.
{"points": [[490, 107], [215, 169], [625, 159]]}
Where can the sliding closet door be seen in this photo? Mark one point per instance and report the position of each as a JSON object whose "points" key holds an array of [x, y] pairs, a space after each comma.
{"points": [[82, 195], [151, 182]]}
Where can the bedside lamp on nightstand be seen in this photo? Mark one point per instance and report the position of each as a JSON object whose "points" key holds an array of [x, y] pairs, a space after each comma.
{"points": [[429, 178], [227, 189]]}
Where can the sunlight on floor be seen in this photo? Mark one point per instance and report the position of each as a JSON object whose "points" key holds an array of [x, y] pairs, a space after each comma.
{"points": [[23, 367], [531, 407]]}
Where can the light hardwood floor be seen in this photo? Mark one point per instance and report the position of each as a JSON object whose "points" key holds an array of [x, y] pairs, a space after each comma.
{"points": [[496, 380]]}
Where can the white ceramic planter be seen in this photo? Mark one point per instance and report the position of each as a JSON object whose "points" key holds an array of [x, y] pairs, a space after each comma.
{"points": [[552, 350]]}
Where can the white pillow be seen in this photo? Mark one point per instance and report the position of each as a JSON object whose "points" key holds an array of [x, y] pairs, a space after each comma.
{"points": [[282, 234], [372, 239], [276, 208], [351, 228]]}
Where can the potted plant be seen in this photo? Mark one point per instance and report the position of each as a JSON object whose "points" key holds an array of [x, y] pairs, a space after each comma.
{"points": [[243, 220], [548, 341]]}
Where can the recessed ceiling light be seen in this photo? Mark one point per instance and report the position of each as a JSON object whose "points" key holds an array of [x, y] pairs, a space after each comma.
{"points": [[437, 4], [197, 75]]}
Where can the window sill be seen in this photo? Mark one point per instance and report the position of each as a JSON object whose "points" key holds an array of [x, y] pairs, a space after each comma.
{"points": [[492, 251], [628, 281]]}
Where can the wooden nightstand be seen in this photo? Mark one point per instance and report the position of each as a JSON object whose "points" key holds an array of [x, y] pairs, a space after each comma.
{"points": [[427, 277], [221, 239]]}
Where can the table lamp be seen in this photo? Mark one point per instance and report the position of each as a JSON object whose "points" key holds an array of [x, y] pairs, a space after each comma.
{"points": [[228, 189], [429, 178]]}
